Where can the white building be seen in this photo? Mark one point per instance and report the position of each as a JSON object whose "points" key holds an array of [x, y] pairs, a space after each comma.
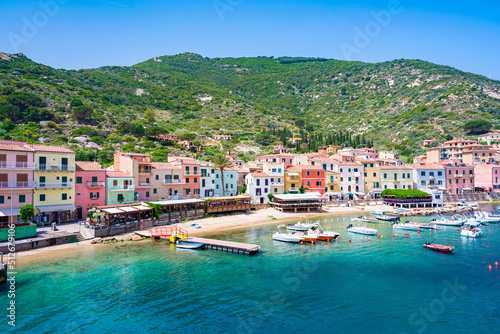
{"points": [[431, 176], [276, 172], [207, 177], [258, 187], [437, 196], [352, 182]]}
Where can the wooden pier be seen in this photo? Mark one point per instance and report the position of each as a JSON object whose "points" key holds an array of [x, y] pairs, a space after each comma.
{"points": [[225, 246]]}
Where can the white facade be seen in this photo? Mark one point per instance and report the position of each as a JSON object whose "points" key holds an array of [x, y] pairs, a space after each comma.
{"points": [[437, 196], [428, 178], [352, 179], [276, 173], [258, 187], [207, 177]]}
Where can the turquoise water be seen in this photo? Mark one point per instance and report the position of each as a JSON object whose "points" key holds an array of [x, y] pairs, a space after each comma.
{"points": [[386, 286]]}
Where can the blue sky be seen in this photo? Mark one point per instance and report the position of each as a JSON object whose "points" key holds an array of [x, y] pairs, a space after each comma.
{"points": [[81, 34]]}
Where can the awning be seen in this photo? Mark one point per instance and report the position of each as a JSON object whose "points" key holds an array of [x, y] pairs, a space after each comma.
{"points": [[112, 210], [8, 212], [52, 208], [128, 209], [143, 207], [293, 174]]}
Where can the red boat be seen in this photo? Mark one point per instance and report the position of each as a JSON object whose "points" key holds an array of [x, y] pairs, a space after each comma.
{"points": [[439, 248]]}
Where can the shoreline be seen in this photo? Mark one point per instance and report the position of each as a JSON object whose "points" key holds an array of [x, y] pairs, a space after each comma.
{"points": [[209, 225]]}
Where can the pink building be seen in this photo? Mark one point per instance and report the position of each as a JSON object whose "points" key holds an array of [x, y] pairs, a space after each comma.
{"points": [[16, 179], [459, 178], [90, 187], [276, 158], [312, 177], [487, 177], [191, 174], [139, 166]]}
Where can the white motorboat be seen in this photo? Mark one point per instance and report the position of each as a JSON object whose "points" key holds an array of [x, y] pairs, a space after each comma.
{"points": [[471, 232], [406, 226], [361, 230], [286, 237], [188, 245], [430, 225], [325, 235], [447, 222], [378, 212], [302, 226], [485, 217]]}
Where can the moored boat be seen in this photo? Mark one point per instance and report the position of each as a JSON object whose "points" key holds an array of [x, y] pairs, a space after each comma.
{"points": [[309, 236], [188, 245], [471, 232], [447, 222], [361, 230], [378, 212], [387, 218], [406, 226], [364, 219], [439, 248], [430, 225], [271, 217], [302, 226], [286, 237]]}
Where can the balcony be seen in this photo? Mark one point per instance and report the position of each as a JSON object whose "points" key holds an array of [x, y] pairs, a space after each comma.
{"points": [[143, 185], [121, 188], [277, 183], [331, 182], [53, 185], [170, 182], [16, 165], [293, 189], [191, 173], [16, 185], [97, 184], [432, 177], [54, 168], [145, 170]]}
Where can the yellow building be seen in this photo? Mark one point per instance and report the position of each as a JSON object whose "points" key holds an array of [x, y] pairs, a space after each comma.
{"points": [[372, 175], [332, 181], [54, 192], [292, 180], [396, 177]]}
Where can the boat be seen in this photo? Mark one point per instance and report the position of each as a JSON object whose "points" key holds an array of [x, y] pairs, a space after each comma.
{"points": [[325, 235], [271, 217], [406, 226], [286, 237], [430, 226], [188, 245], [439, 248], [302, 226], [447, 222], [196, 225], [378, 212], [364, 219], [387, 218], [309, 236], [485, 217], [471, 231], [361, 230]]}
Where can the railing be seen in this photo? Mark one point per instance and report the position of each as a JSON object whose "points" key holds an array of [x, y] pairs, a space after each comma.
{"points": [[293, 189], [16, 165], [98, 184], [145, 170], [55, 168], [18, 185], [277, 183], [191, 173], [178, 181], [53, 185], [118, 188], [143, 184]]}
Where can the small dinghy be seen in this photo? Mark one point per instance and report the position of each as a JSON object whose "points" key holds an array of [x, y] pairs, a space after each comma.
{"points": [[196, 225], [439, 248], [387, 218], [188, 245], [361, 230], [271, 217], [406, 226], [364, 219]]}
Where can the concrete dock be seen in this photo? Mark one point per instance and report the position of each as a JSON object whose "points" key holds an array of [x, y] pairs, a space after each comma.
{"points": [[225, 246]]}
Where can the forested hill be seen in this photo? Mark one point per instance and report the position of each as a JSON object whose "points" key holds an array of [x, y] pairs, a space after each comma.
{"points": [[395, 104]]}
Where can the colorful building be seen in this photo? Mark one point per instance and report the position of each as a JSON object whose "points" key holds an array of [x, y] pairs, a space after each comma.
{"points": [[487, 177], [120, 188], [332, 185], [166, 182], [276, 172], [54, 191], [191, 174], [230, 182], [352, 182], [396, 177], [293, 180], [371, 172], [490, 138], [207, 186], [459, 178], [90, 187], [137, 166], [312, 178], [430, 176], [16, 179]]}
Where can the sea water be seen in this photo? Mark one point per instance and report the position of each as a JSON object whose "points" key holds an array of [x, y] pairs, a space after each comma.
{"points": [[386, 285]]}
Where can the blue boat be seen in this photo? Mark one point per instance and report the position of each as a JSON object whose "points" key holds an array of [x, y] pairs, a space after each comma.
{"points": [[387, 218]]}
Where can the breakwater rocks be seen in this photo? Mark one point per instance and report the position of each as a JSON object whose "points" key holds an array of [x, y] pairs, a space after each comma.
{"points": [[434, 211], [111, 240]]}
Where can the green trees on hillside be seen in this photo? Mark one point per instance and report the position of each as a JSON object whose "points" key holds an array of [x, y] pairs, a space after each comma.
{"points": [[477, 126]]}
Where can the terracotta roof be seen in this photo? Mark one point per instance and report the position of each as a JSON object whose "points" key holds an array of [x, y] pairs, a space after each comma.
{"points": [[88, 166], [164, 165], [259, 174], [15, 147], [55, 149], [111, 173]]}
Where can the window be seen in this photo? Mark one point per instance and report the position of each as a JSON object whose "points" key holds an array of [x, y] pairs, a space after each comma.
{"points": [[176, 177], [188, 191], [195, 180], [349, 179], [308, 173], [403, 175], [257, 182], [366, 174], [407, 175], [355, 170], [195, 170], [385, 177], [79, 180], [187, 170], [121, 198], [202, 183], [318, 183], [341, 179], [115, 183], [266, 182], [308, 183], [440, 173], [341, 170], [157, 177], [94, 195], [42, 197], [155, 191], [64, 197], [2, 199], [147, 193], [187, 179], [374, 174], [422, 173], [318, 174]]}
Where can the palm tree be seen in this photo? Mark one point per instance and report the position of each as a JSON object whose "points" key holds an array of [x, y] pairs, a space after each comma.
{"points": [[221, 162]]}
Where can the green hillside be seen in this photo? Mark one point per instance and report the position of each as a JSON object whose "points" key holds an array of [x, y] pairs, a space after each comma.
{"points": [[394, 104]]}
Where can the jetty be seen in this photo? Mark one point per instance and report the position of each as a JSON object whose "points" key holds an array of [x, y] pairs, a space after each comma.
{"points": [[225, 246]]}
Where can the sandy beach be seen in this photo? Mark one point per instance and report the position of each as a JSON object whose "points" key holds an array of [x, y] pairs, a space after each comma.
{"points": [[208, 226]]}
